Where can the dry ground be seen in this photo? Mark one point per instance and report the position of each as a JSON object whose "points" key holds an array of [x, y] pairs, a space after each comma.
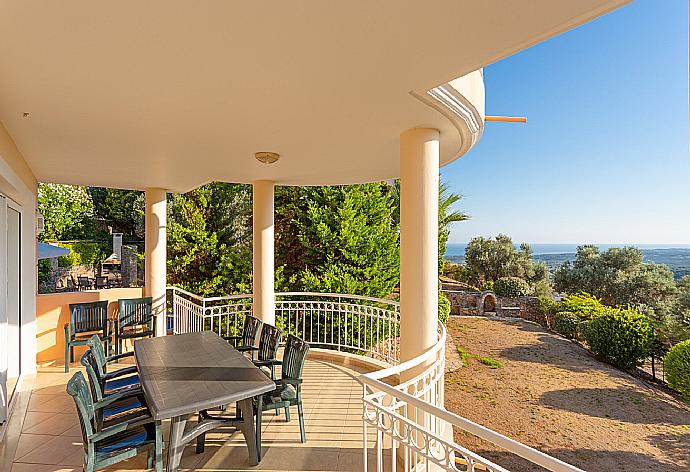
{"points": [[553, 395]]}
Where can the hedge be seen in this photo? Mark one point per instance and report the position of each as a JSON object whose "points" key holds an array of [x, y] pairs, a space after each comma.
{"points": [[511, 287], [567, 323], [621, 337], [677, 367]]}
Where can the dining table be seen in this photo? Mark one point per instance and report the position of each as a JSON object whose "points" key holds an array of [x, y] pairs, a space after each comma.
{"points": [[186, 374]]}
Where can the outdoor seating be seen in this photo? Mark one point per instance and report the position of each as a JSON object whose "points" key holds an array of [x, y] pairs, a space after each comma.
{"points": [[124, 404], [115, 441], [83, 283], [135, 320], [267, 354], [246, 342], [288, 391], [86, 319], [109, 383], [102, 282]]}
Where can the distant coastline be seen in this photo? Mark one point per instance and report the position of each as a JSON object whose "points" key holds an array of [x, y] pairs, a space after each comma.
{"points": [[676, 256]]}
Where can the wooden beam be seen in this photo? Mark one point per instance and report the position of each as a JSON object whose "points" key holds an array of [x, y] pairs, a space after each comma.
{"points": [[506, 119]]}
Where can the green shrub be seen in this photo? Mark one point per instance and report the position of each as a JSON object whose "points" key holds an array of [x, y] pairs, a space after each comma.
{"points": [[83, 253], [511, 287], [443, 307], [620, 337], [567, 323], [44, 270], [584, 305], [677, 366]]}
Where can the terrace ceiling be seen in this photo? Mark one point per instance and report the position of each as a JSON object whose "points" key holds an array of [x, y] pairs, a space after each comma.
{"points": [[175, 93]]}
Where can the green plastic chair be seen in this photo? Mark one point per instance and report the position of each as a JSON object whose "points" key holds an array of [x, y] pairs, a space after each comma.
{"points": [[246, 342], [85, 319], [288, 391], [267, 354], [117, 441], [135, 320], [125, 404], [119, 380]]}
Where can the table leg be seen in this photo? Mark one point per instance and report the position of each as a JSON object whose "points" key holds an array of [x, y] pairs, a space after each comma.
{"points": [[248, 430], [175, 446], [259, 404]]}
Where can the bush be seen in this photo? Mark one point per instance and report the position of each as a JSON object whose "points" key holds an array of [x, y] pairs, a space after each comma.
{"points": [[620, 337], [83, 253], [512, 287], [567, 323], [443, 307], [677, 367], [584, 305]]}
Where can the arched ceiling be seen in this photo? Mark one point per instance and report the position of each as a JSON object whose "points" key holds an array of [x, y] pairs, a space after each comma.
{"points": [[175, 94]]}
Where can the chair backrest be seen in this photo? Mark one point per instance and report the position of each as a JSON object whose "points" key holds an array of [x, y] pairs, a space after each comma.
{"points": [[79, 391], [96, 382], [101, 281], [135, 312], [268, 342], [250, 330], [295, 355], [83, 281], [98, 353], [87, 317]]}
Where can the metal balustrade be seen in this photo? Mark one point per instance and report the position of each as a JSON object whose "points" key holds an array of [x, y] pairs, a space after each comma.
{"points": [[404, 403]]}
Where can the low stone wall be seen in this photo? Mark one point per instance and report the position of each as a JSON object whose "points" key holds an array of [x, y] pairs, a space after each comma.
{"points": [[469, 303]]}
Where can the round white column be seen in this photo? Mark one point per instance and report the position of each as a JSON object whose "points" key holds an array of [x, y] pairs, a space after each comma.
{"points": [[419, 181], [263, 257], [155, 254]]}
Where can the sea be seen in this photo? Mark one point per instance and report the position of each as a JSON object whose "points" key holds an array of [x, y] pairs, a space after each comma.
{"points": [[676, 256]]}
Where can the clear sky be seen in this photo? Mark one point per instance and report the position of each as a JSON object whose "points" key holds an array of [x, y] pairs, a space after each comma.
{"points": [[604, 156]]}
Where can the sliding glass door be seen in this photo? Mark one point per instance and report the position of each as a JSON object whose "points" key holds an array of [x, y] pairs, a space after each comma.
{"points": [[10, 307]]}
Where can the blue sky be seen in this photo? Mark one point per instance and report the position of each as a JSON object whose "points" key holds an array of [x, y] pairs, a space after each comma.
{"points": [[603, 157]]}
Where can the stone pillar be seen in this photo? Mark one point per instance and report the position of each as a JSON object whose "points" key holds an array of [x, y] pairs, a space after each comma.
{"points": [[263, 256], [419, 181], [155, 253], [128, 267]]}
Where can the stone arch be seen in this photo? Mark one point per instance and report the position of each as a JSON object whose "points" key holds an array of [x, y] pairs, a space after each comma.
{"points": [[487, 303]]}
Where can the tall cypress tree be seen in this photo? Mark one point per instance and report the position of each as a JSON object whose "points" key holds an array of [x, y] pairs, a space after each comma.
{"points": [[338, 239]]}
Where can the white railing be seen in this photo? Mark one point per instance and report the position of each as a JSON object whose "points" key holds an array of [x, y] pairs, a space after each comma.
{"points": [[403, 403], [365, 325]]}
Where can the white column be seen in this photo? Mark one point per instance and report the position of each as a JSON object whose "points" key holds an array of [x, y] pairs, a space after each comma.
{"points": [[263, 257], [419, 180], [155, 254]]}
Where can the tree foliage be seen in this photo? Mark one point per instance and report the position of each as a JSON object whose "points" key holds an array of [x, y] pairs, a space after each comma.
{"points": [[619, 277], [209, 240], [68, 212], [122, 210], [493, 259], [337, 239]]}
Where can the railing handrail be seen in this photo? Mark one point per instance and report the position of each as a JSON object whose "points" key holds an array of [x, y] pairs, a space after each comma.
{"points": [[504, 442], [287, 294]]}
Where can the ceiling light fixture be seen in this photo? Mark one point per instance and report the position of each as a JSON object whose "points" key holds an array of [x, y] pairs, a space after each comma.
{"points": [[267, 157]]}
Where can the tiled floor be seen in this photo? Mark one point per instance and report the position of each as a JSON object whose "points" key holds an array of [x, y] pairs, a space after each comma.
{"points": [[44, 435]]}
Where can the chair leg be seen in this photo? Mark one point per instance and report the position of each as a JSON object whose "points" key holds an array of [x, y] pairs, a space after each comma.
{"points": [[66, 356], [71, 354], [287, 414], [149, 459], [300, 413]]}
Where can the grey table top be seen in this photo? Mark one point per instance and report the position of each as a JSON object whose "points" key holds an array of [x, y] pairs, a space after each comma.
{"points": [[185, 373]]}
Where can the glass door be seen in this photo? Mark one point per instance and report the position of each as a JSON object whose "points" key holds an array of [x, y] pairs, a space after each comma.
{"points": [[14, 325]]}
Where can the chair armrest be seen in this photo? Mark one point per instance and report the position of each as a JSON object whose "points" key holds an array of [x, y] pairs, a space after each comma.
{"points": [[117, 397], [118, 428], [247, 348], [295, 382], [120, 373], [233, 338], [117, 357], [268, 363]]}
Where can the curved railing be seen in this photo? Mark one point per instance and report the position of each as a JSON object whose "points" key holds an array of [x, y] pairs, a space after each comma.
{"points": [[404, 403]]}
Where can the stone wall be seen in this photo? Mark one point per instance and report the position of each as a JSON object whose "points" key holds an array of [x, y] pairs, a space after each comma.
{"points": [[470, 303]]}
